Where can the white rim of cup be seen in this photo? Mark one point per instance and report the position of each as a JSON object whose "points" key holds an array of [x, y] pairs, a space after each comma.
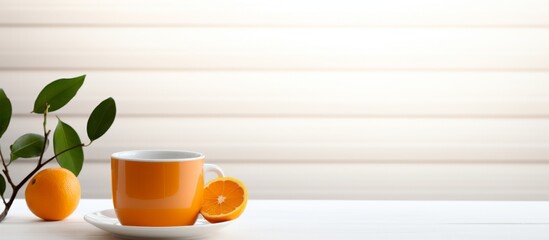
{"points": [[171, 155]]}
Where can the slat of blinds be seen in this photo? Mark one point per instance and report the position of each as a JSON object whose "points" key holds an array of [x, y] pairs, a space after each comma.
{"points": [[396, 181], [296, 94], [468, 181], [285, 48], [276, 13], [314, 140]]}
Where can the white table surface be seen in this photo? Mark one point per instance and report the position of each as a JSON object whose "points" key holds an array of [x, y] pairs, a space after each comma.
{"points": [[315, 219]]}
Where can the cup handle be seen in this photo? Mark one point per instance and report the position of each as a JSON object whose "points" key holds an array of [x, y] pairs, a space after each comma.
{"points": [[213, 168]]}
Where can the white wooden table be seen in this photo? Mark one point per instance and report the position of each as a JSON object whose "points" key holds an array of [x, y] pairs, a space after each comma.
{"points": [[314, 219]]}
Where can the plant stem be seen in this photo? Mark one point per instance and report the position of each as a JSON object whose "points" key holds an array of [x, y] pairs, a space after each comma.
{"points": [[5, 170], [8, 204], [46, 134], [2, 158], [45, 117]]}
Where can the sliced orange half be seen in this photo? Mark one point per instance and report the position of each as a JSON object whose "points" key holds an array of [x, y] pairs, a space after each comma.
{"points": [[224, 199]]}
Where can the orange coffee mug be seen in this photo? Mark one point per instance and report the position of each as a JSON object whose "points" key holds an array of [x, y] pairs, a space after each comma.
{"points": [[158, 187]]}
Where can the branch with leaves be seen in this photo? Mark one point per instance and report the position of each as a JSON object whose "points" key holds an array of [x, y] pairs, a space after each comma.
{"points": [[67, 147]]}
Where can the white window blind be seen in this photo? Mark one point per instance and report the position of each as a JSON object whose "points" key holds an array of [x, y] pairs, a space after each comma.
{"points": [[349, 99]]}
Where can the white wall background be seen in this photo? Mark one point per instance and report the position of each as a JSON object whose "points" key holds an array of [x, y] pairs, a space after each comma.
{"points": [[303, 99]]}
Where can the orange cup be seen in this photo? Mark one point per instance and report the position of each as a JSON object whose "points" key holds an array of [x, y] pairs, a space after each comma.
{"points": [[158, 187]]}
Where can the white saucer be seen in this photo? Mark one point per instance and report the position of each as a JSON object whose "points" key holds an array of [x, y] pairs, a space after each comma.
{"points": [[107, 221]]}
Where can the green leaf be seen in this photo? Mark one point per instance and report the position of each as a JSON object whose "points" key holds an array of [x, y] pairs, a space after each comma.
{"points": [[27, 146], [101, 119], [5, 112], [64, 138], [57, 94], [2, 185]]}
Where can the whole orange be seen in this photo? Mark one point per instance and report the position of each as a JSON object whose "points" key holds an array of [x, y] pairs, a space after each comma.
{"points": [[53, 194]]}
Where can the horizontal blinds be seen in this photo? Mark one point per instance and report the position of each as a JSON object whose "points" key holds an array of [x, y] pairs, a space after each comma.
{"points": [[346, 99]]}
